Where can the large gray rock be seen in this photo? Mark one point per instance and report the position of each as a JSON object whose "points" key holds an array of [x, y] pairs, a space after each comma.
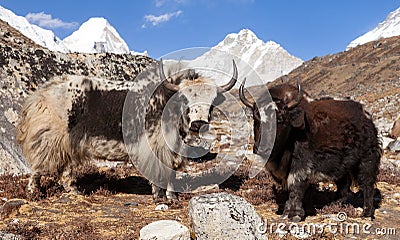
{"points": [[224, 216], [165, 230]]}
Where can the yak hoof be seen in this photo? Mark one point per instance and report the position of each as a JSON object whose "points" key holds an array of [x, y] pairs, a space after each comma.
{"points": [[296, 219], [72, 189], [294, 215], [172, 195], [368, 213]]}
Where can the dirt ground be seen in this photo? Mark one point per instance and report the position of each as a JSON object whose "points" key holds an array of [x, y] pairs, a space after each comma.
{"points": [[117, 202]]}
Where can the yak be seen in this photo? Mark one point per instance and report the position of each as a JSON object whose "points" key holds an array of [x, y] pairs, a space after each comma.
{"points": [[316, 140], [75, 119]]}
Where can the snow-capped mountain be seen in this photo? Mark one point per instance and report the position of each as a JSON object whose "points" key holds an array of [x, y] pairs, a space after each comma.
{"points": [[388, 28], [94, 36], [43, 37], [260, 62]]}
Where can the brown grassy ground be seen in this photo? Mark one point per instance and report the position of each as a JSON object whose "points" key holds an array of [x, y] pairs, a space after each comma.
{"points": [[117, 203]]}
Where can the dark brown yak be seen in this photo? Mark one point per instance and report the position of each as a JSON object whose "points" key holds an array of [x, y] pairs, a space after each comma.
{"points": [[318, 140]]}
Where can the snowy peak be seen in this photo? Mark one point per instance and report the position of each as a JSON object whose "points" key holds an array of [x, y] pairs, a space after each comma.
{"points": [[388, 28], [267, 59], [244, 36], [43, 37], [95, 36]]}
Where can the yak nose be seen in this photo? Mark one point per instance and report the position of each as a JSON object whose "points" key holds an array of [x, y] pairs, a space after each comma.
{"points": [[199, 126]]}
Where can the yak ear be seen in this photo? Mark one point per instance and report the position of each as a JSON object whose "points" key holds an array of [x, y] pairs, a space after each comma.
{"points": [[297, 118]]}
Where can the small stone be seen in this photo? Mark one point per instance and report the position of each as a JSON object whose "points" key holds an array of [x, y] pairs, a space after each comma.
{"points": [[11, 206], [386, 141], [161, 207], [15, 221], [11, 116], [127, 204], [165, 230], [394, 146]]}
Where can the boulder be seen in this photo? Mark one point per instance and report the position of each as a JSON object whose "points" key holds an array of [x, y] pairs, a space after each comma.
{"points": [[224, 216], [395, 132], [165, 230], [394, 146]]}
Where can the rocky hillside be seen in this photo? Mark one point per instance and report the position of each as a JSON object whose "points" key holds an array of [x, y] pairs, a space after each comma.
{"points": [[25, 65]]}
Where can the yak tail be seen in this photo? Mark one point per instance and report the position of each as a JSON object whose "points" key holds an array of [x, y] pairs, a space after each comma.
{"points": [[43, 136]]}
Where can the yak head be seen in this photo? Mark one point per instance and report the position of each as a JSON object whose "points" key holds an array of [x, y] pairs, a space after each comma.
{"points": [[285, 109], [197, 96]]}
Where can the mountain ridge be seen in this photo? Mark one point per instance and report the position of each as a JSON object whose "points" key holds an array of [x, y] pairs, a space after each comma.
{"points": [[43, 37], [388, 28]]}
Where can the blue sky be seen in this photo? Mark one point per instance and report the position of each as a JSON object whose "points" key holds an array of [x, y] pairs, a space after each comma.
{"points": [[304, 28]]}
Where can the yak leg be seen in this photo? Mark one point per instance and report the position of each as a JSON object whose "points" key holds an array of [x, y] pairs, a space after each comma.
{"points": [[68, 181], [343, 188], [368, 187], [34, 182], [297, 182], [170, 187], [368, 191], [157, 192], [293, 206], [367, 178]]}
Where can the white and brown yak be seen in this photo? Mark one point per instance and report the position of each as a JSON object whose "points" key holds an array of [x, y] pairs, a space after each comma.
{"points": [[75, 119]]}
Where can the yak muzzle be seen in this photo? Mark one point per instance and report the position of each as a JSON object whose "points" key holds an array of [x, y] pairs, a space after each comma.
{"points": [[199, 126]]}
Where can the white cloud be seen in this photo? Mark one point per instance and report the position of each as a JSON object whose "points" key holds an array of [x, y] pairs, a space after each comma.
{"points": [[160, 3], [155, 20], [46, 20]]}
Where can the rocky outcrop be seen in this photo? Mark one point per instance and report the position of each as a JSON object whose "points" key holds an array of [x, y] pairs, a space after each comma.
{"points": [[224, 216]]}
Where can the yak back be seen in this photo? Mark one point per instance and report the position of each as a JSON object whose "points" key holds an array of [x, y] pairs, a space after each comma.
{"points": [[98, 113], [336, 123]]}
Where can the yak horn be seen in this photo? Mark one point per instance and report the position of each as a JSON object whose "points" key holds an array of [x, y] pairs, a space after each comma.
{"points": [[299, 96], [243, 98], [232, 82]]}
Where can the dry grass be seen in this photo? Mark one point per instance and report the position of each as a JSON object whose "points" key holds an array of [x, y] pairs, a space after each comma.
{"points": [[116, 203]]}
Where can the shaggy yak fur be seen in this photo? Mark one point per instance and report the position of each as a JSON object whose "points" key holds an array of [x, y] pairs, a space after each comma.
{"points": [[76, 119], [317, 140]]}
